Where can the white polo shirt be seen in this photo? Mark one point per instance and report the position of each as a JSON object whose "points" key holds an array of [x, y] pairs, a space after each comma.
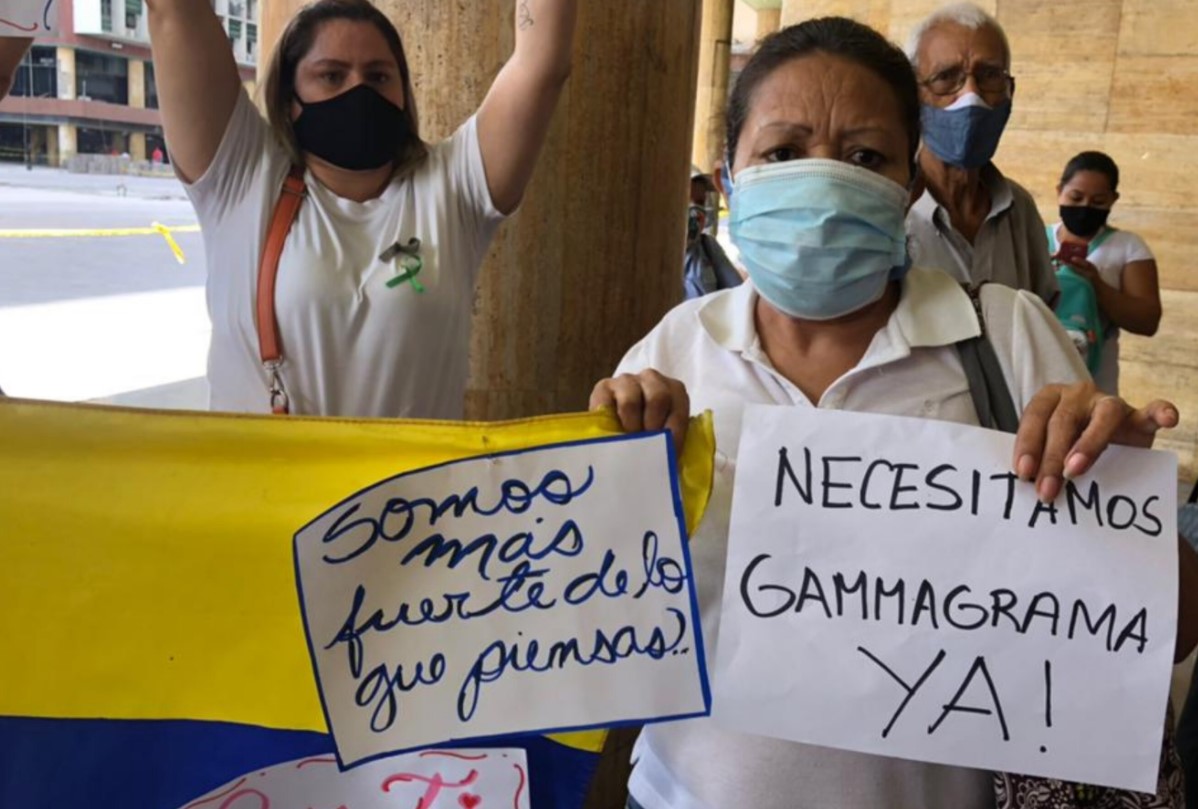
{"points": [[910, 369]]}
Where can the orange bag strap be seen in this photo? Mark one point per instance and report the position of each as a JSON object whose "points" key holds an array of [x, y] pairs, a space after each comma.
{"points": [[270, 348]]}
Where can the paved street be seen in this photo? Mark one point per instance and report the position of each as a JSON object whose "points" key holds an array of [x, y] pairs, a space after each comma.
{"points": [[93, 316]]}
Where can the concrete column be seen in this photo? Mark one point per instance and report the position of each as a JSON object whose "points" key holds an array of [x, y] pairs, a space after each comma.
{"points": [[137, 84], [67, 143], [711, 97], [53, 157], [66, 72], [593, 259], [137, 146], [38, 147], [769, 20]]}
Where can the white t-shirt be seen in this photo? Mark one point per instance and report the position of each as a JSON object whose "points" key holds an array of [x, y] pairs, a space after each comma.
{"points": [[911, 369], [352, 345], [1111, 257]]}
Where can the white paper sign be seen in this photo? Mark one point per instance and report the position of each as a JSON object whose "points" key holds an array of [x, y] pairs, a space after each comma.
{"points": [[27, 18], [431, 779], [542, 590], [893, 589]]}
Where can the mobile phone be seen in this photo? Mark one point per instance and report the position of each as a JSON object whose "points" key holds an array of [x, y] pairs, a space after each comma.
{"points": [[1072, 251]]}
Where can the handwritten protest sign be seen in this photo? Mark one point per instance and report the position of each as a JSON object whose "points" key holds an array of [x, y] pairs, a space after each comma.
{"points": [[430, 779], [547, 589], [27, 17], [893, 589]]}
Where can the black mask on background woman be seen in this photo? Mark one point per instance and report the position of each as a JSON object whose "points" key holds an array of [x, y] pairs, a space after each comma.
{"points": [[1083, 220]]}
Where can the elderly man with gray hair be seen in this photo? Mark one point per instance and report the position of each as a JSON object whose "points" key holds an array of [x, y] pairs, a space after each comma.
{"points": [[971, 221]]}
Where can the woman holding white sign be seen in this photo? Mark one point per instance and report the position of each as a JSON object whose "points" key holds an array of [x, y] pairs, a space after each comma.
{"points": [[823, 127], [333, 211]]}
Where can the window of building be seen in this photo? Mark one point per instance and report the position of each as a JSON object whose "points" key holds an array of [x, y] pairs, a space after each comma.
{"points": [[28, 143], [151, 87], [133, 12], [13, 140], [101, 141], [101, 77], [237, 38], [251, 42], [106, 16], [37, 75]]}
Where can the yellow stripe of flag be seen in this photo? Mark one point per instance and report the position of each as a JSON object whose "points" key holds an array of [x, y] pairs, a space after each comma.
{"points": [[146, 557]]}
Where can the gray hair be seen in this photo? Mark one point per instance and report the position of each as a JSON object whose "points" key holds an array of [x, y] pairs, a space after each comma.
{"points": [[963, 14]]}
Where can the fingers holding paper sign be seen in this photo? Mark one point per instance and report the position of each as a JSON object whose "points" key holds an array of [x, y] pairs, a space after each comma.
{"points": [[1065, 428]]}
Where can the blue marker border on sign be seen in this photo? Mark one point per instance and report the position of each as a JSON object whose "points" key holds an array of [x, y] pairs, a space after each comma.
{"points": [[697, 627]]}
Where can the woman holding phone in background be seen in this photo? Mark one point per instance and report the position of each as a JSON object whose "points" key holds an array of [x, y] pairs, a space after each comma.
{"points": [[1117, 263]]}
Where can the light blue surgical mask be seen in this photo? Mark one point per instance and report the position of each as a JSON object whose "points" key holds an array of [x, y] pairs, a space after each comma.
{"points": [[966, 133], [819, 238]]}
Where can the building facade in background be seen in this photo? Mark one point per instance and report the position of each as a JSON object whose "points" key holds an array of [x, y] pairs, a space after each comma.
{"points": [[90, 89]]}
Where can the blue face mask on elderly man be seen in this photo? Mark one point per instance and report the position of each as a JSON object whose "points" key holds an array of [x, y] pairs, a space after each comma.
{"points": [[966, 133], [820, 238]]}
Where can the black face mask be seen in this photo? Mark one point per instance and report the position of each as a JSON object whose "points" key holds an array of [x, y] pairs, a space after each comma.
{"points": [[1083, 220], [358, 130]]}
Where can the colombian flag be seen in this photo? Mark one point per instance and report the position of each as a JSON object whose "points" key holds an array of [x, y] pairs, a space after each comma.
{"points": [[153, 650]]}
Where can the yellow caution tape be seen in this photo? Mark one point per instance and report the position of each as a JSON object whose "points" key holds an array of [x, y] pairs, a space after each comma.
{"points": [[66, 233], [155, 229], [170, 241]]}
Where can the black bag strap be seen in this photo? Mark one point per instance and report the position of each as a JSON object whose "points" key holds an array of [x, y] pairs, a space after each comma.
{"points": [[991, 397], [1194, 493]]}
